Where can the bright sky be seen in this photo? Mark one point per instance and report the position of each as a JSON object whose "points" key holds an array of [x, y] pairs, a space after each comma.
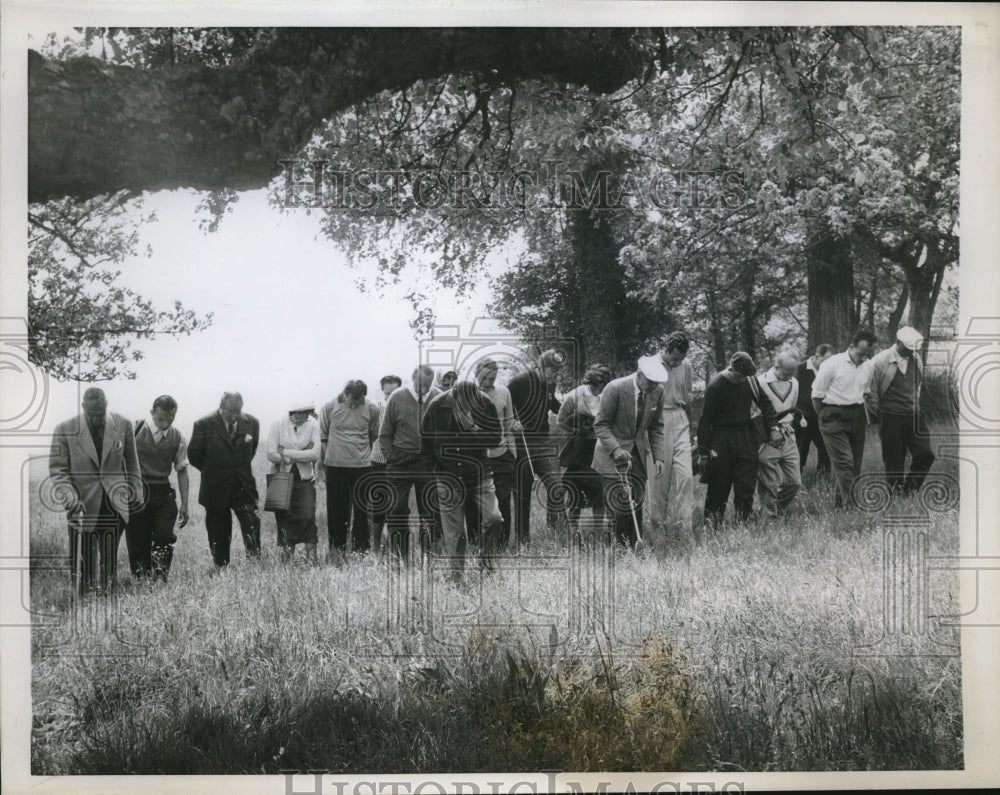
{"points": [[290, 321]]}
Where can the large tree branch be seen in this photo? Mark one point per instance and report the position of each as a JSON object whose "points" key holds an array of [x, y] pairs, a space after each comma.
{"points": [[95, 128]]}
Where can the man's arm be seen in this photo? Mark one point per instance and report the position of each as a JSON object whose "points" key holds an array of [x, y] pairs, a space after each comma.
{"points": [[708, 412], [130, 459], [196, 450], [605, 415], [373, 419], [59, 470], [255, 433], [656, 433], [183, 482], [387, 432], [871, 373]]}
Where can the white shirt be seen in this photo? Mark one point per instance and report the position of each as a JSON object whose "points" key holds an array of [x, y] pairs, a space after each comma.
{"points": [[841, 382]]}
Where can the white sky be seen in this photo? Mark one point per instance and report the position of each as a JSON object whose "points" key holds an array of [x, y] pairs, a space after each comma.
{"points": [[289, 319]]}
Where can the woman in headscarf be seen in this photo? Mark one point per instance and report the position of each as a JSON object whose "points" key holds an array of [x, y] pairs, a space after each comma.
{"points": [[576, 424], [293, 445]]}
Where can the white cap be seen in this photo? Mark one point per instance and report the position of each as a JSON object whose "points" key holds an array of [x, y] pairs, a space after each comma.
{"points": [[303, 405], [652, 367], [910, 337]]}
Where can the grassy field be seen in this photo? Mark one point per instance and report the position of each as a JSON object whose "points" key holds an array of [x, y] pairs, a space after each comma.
{"points": [[756, 651]]}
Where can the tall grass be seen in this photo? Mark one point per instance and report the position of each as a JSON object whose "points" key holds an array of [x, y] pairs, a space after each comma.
{"points": [[749, 652]]}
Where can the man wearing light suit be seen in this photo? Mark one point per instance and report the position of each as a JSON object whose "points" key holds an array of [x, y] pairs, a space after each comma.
{"points": [[629, 426], [222, 446], [94, 471]]}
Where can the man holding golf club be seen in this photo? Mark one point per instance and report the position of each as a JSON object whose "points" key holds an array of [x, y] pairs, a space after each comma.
{"points": [[629, 426]]}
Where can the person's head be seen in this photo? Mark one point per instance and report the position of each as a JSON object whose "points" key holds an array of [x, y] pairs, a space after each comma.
{"points": [[822, 353], [742, 365], [650, 373], [423, 378], [862, 345], [231, 406], [486, 373], [676, 349], [550, 363], [163, 412], [300, 412], [597, 377], [446, 380], [355, 392], [95, 404], [785, 364], [389, 384], [908, 341]]}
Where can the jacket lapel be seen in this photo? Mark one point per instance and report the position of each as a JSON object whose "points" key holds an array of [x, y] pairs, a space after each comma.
{"points": [[86, 439]]}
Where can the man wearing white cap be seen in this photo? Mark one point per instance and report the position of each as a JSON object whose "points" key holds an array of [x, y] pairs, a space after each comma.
{"points": [[629, 426], [893, 398], [293, 445]]}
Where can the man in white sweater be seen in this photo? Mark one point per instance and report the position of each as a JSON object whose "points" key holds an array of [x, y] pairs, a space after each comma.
{"points": [[778, 474]]}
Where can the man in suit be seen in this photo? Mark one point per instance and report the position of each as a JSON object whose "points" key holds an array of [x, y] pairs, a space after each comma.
{"points": [[629, 426], [807, 428], [94, 471], [222, 446]]}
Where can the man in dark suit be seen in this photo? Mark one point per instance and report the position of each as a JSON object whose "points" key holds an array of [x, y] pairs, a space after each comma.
{"points": [[94, 475], [222, 446], [629, 427], [807, 423]]}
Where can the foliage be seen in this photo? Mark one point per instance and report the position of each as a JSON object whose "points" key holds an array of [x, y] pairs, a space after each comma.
{"points": [[82, 322]]}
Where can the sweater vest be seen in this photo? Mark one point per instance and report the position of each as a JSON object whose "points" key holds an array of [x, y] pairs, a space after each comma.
{"points": [[156, 459]]}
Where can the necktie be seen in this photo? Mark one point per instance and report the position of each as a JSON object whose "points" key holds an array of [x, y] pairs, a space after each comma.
{"points": [[640, 404], [232, 432]]}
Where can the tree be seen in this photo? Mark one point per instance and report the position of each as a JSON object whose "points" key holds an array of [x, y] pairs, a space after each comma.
{"points": [[82, 323], [96, 127]]}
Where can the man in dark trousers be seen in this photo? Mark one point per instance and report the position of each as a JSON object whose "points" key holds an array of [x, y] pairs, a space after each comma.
{"points": [[893, 397], [533, 396], [807, 427], [222, 446], [839, 399], [150, 533], [629, 428], [729, 439]]}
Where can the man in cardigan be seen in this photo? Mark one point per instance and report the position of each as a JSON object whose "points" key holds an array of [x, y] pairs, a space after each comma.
{"points": [[807, 428], [94, 474], [400, 441], [779, 477], [893, 397], [728, 441], [222, 446], [150, 533], [629, 426]]}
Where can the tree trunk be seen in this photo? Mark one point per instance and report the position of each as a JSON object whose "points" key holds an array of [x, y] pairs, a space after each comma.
{"points": [[94, 128], [831, 288], [897, 313]]}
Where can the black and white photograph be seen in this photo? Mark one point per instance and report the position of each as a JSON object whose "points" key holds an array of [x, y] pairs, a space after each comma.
{"points": [[529, 397]]}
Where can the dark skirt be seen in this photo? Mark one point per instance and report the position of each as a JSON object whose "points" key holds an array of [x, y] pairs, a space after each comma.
{"points": [[297, 525]]}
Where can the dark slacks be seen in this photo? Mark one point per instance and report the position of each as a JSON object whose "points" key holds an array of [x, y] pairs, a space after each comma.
{"points": [[377, 488], [344, 498], [584, 489], [219, 524], [503, 468], [616, 499], [149, 536], [404, 473], [843, 429], [732, 468], [543, 460], [93, 549], [811, 436], [297, 525], [902, 433]]}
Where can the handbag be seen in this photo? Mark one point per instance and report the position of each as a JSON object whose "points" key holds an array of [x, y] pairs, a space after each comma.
{"points": [[279, 491]]}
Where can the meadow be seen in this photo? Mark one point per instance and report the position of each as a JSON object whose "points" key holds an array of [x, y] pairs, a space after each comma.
{"points": [[762, 648]]}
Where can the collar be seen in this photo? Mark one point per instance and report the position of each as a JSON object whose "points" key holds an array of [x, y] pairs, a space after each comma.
{"points": [[772, 375], [413, 391], [810, 366]]}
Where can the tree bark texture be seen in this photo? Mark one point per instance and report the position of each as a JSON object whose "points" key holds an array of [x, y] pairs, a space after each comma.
{"points": [[831, 289]]}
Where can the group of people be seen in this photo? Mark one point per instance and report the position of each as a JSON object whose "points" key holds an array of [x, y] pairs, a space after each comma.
{"points": [[469, 452]]}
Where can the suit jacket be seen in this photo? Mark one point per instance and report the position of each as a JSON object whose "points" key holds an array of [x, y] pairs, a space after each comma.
{"points": [[805, 377], [75, 463], [616, 425], [223, 465]]}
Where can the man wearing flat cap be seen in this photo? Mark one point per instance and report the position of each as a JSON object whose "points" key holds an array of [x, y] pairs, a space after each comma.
{"points": [[893, 398], [629, 426], [728, 438]]}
